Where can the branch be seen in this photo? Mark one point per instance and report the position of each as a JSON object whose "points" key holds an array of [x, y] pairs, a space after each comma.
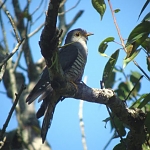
{"points": [[11, 112], [62, 13], [35, 31], [122, 41], [132, 118], [49, 41], [23, 30], [62, 22], [12, 53], [13, 25], [81, 123]]}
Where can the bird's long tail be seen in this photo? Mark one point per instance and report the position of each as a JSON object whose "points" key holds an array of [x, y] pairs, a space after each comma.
{"points": [[48, 115]]}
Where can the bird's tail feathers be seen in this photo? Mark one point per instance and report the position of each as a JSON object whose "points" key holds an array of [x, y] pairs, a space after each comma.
{"points": [[48, 116], [39, 89]]}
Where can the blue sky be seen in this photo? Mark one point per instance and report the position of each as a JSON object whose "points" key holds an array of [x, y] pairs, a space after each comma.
{"points": [[65, 132]]}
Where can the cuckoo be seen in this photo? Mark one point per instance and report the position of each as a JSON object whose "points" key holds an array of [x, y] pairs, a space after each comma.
{"points": [[72, 58]]}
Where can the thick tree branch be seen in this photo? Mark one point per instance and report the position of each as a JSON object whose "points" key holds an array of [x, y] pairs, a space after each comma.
{"points": [[132, 118]]}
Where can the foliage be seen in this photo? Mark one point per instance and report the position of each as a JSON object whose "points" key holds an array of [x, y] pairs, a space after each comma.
{"points": [[128, 89]]}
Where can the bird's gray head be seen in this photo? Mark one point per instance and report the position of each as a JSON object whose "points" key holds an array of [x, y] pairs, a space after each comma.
{"points": [[77, 35]]}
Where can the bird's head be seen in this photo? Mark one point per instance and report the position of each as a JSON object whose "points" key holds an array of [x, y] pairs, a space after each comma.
{"points": [[77, 35]]}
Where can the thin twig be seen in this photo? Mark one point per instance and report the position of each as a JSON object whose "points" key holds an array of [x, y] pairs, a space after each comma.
{"points": [[141, 69], [37, 18], [70, 8], [11, 112], [122, 41], [102, 87], [77, 16], [18, 59], [37, 8], [133, 88], [39, 15], [36, 30], [12, 53], [21, 67], [4, 33], [13, 25], [115, 22], [2, 4], [81, 120]]}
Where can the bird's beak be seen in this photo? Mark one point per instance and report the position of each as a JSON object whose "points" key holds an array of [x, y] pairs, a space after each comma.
{"points": [[88, 34]]}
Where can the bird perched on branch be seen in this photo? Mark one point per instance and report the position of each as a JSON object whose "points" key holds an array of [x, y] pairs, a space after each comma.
{"points": [[72, 58]]}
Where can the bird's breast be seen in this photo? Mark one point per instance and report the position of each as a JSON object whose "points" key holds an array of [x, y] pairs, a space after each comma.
{"points": [[76, 71]]}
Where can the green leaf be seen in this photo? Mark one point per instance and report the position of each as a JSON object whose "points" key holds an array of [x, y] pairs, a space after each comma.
{"points": [[136, 104], [119, 125], [124, 89], [134, 78], [116, 10], [146, 45], [145, 101], [145, 5], [136, 38], [129, 59], [110, 66], [103, 45], [100, 6], [147, 17], [140, 31]]}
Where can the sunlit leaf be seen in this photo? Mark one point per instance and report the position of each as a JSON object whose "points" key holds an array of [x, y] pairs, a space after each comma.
{"points": [[100, 6], [136, 38], [116, 10], [134, 76], [129, 59], [145, 101], [143, 8], [136, 104], [103, 46], [140, 31], [129, 50], [109, 67]]}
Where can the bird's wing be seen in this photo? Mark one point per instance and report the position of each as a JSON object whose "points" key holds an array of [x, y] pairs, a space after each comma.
{"points": [[42, 87], [67, 56]]}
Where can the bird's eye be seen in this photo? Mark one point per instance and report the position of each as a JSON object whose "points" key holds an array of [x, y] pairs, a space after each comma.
{"points": [[77, 34]]}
